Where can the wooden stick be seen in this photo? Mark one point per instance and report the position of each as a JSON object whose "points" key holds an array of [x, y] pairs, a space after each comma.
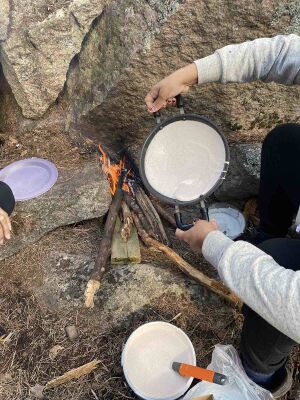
{"points": [[127, 222], [105, 247], [74, 373], [131, 202], [156, 218], [140, 199], [164, 214], [212, 284]]}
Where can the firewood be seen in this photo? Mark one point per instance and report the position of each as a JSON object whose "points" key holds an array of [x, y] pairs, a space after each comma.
{"points": [[105, 246], [156, 219], [164, 214], [147, 213], [125, 252], [132, 204], [74, 373], [127, 222], [212, 284], [38, 390]]}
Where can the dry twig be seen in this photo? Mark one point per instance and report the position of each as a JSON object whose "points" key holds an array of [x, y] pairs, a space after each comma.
{"points": [[215, 286]]}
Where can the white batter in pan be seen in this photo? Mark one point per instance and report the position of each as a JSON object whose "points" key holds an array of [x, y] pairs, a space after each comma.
{"points": [[184, 160]]}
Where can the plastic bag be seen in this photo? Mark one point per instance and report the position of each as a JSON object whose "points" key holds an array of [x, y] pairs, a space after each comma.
{"points": [[225, 360]]}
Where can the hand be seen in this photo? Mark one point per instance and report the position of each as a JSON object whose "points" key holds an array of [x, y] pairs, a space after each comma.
{"points": [[164, 92], [195, 236], [5, 226]]}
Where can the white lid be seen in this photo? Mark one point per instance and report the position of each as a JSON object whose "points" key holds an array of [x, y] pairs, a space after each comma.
{"points": [[147, 361]]}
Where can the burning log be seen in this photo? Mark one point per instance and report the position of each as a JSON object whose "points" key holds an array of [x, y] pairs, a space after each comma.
{"points": [[116, 174], [105, 246], [215, 286]]}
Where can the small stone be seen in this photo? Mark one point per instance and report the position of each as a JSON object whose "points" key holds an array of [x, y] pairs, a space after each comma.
{"points": [[37, 391], [53, 352], [71, 332]]}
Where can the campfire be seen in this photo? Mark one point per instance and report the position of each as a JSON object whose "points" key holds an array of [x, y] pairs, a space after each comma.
{"points": [[137, 211]]}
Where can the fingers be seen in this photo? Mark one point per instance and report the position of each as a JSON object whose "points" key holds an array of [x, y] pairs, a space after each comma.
{"points": [[159, 103], [151, 97], [157, 99], [5, 226], [171, 102], [179, 234]]}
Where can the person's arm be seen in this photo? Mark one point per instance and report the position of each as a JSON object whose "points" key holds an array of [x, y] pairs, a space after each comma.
{"points": [[269, 289], [274, 59], [268, 59]]}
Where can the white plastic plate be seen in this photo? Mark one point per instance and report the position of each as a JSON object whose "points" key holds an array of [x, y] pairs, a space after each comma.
{"points": [[29, 178]]}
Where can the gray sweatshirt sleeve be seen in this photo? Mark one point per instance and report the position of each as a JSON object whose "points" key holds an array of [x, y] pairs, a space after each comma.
{"points": [[274, 59], [266, 287]]}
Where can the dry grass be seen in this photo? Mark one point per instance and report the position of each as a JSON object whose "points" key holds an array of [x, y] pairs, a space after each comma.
{"points": [[26, 359], [54, 146]]}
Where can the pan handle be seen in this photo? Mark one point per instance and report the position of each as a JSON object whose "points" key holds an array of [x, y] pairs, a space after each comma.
{"points": [[185, 227], [179, 104]]}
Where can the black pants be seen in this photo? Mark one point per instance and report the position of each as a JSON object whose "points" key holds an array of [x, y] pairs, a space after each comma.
{"points": [[263, 347]]}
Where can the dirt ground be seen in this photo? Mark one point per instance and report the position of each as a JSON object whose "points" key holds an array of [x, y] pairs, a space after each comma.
{"points": [[36, 327]]}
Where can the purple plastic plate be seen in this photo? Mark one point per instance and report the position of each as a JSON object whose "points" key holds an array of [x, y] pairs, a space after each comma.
{"points": [[29, 178]]}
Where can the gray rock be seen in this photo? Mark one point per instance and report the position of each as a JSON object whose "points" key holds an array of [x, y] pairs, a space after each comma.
{"points": [[113, 111], [42, 42], [78, 195], [4, 18], [129, 47], [243, 176], [37, 52], [125, 289]]}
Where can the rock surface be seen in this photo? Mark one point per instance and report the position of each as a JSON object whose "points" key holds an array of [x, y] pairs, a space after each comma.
{"points": [[243, 177], [4, 19], [122, 51], [125, 288], [44, 38], [38, 50], [244, 112], [78, 195]]}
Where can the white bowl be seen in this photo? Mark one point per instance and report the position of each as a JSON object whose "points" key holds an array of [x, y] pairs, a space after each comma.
{"points": [[230, 220], [147, 361]]}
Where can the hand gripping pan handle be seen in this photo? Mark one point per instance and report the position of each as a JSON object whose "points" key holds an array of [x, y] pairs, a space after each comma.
{"points": [[179, 104], [185, 227]]}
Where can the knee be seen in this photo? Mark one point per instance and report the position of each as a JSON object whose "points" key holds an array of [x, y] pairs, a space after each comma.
{"points": [[283, 134]]}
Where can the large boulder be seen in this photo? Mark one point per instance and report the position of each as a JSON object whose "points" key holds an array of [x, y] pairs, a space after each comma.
{"points": [[79, 194], [43, 39], [120, 52], [113, 111]]}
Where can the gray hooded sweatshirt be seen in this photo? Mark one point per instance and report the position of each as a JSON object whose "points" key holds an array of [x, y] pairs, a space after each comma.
{"points": [[269, 289]]}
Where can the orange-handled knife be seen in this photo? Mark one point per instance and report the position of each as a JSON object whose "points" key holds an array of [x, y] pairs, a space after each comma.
{"points": [[199, 373]]}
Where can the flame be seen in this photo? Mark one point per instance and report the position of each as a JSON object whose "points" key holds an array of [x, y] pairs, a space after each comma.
{"points": [[112, 171]]}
